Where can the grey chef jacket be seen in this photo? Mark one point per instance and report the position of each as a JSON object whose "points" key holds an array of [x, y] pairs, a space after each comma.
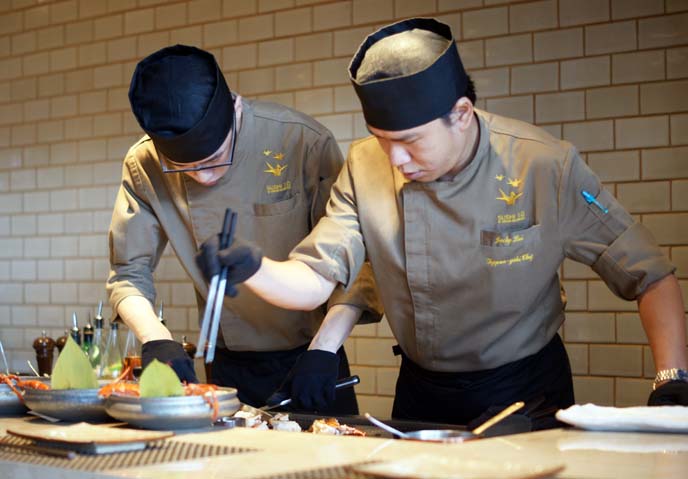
{"points": [[284, 166], [467, 268]]}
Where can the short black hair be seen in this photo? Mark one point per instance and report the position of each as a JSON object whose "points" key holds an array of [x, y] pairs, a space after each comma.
{"points": [[469, 93]]}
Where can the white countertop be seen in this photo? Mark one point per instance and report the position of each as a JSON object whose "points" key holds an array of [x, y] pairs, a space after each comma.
{"points": [[583, 454]]}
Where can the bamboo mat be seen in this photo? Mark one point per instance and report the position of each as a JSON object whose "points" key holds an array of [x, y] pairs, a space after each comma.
{"points": [[159, 452]]}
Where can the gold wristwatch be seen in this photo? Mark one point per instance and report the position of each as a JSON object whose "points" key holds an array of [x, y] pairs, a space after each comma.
{"points": [[673, 374]]}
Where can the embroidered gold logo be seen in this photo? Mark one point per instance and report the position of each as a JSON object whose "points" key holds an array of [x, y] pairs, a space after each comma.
{"points": [[509, 199], [267, 152], [499, 177], [523, 258], [511, 218], [515, 182], [279, 156], [275, 170], [279, 187], [508, 240]]}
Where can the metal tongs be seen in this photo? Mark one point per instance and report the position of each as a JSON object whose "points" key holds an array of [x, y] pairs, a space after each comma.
{"points": [[216, 294]]}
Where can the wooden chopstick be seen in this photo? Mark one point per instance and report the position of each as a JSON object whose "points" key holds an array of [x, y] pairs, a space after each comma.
{"points": [[46, 451]]}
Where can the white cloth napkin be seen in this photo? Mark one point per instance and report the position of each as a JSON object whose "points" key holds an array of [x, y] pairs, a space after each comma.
{"points": [[642, 418]]}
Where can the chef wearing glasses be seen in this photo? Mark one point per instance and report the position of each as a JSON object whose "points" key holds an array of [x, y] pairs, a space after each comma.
{"points": [[206, 150]]}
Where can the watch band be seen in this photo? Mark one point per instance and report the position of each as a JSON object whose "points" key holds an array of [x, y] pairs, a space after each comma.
{"points": [[673, 374]]}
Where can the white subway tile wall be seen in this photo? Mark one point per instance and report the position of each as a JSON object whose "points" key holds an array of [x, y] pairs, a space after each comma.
{"points": [[611, 76]]}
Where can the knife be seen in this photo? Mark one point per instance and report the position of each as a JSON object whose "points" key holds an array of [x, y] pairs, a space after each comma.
{"points": [[342, 383]]}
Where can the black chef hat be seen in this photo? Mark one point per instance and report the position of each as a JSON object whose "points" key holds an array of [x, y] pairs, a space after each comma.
{"points": [[180, 98], [401, 101]]}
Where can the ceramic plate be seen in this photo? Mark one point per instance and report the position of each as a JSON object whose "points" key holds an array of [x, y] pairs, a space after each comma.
{"points": [[89, 439], [428, 466], [640, 418]]}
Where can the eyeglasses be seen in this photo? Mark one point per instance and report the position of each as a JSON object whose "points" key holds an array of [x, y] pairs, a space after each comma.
{"points": [[171, 167]]}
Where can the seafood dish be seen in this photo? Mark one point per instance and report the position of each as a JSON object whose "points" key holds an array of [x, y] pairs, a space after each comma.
{"points": [[332, 426], [281, 422]]}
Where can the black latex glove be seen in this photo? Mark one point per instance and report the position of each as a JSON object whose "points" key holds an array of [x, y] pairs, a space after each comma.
{"points": [[171, 353], [241, 258], [673, 393], [310, 383]]}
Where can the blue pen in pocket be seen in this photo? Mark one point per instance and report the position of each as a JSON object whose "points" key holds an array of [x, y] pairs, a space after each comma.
{"points": [[591, 199]]}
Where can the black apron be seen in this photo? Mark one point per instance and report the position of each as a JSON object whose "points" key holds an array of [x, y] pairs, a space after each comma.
{"points": [[542, 379], [257, 375]]}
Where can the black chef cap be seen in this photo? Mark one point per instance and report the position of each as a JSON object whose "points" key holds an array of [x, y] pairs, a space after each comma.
{"points": [[180, 98], [406, 101]]}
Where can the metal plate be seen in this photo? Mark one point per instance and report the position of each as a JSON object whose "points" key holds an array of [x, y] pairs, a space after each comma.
{"points": [[182, 412], [10, 405], [67, 404]]}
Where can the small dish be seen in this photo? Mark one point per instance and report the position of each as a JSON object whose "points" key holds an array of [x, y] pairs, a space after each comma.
{"points": [[178, 412], [86, 438]]}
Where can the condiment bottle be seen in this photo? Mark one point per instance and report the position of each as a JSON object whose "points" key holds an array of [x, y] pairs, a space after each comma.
{"points": [[62, 340], [95, 353], [189, 348], [88, 336], [160, 316], [111, 366], [75, 333], [44, 347], [132, 354]]}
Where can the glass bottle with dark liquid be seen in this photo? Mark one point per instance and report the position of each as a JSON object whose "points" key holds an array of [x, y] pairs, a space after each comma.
{"points": [[132, 354]]}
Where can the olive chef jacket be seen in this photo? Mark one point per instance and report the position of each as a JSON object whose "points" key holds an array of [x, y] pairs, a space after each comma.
{"points": [[467, 268], [283, 168]]}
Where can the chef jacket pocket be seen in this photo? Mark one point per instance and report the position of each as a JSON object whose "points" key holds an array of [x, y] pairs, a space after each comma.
{"points": [[509, 240], [508, 249], [274, 209]]}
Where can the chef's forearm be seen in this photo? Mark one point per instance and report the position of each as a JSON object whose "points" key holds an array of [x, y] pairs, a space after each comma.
{"points": [[138, 314], [662, 314], [290, 284], [336, 327]]}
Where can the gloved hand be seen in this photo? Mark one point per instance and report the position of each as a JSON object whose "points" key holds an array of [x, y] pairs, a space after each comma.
{"points": [[673, 393], [310, 383], [171, 353], [241, 258]]}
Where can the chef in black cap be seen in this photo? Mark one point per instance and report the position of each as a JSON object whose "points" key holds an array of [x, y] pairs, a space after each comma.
{"points": [[466, 218], [206, 150]]}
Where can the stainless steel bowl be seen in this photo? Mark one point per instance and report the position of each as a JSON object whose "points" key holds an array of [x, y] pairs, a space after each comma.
{"points": [[181, 412], [10, 404], [67, 404], [440, 435]]}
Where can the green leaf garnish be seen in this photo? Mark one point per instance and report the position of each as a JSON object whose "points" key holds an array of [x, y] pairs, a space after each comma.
{"points": [[159, 380], [72, 369]]}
